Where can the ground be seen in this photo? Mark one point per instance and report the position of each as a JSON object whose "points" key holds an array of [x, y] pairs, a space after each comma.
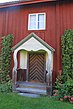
{"points": [[14, 101]]}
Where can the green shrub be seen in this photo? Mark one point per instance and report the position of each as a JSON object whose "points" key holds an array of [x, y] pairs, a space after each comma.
{"points": [[5, 63], [6, 87], [64, 82]]}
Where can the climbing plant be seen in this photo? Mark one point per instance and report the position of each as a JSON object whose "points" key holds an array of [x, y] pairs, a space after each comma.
{"points": [[67, 54], [5, 63], [64, 82]]}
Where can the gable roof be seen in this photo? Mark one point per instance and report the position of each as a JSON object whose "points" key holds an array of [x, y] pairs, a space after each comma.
{"points": [[37, 38], [22, 2]]}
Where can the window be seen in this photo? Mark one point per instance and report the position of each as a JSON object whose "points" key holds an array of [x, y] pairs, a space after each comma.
{"points": [[36, 21]]}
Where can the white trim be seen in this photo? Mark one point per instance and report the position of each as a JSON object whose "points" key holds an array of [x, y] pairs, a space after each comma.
{"points": [[37, 21], [34, 44]]}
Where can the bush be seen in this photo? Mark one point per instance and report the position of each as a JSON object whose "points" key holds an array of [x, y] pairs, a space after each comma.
{"points": [[6, 87], [5, 63], [64, 82]]}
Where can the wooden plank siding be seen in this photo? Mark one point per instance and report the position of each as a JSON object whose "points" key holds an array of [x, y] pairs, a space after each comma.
{"points": [[59, 17]]}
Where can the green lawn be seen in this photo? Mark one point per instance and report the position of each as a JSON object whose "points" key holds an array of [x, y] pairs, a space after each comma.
{"points": [[13, 101]]}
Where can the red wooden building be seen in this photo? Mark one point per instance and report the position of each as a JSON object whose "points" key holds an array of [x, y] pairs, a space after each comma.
{"points": [[37, 26]]}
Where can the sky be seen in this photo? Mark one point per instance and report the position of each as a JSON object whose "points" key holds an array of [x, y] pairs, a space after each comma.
{"points": [[2, 1]]}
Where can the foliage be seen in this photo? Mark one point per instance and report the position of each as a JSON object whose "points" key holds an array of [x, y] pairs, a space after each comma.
{"points": [[64, 82], [5, 63], [67, 54], [6, 87]]}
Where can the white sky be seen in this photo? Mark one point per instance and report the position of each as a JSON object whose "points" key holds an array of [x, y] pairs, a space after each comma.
{"points": [[2, 1]]}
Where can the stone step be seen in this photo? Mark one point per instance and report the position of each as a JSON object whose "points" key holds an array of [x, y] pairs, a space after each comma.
{"points": [[42, 88], [31, 90], [29, 95], [34, 87], [31, 85]]}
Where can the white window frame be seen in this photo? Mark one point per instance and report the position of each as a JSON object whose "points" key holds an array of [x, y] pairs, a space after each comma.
{"points": [[37, 21]]}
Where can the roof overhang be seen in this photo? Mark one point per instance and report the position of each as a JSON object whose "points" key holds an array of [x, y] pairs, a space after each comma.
{"points": [[37, 38], [25, 2]]}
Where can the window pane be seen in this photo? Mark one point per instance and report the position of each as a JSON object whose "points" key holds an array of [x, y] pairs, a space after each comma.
{"points": [[41, 21], [32, 24], [40, 25], [40, 17], [32, 18]]}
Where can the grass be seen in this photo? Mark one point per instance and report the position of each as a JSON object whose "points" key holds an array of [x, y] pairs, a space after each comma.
{"points": [[14, 101]]}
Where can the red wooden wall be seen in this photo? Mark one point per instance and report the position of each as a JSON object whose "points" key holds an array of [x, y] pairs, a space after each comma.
{"points": [[59, 17]]}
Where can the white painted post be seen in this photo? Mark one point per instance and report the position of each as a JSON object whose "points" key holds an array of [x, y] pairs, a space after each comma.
{"points": [[49, 74], [14, 72]]}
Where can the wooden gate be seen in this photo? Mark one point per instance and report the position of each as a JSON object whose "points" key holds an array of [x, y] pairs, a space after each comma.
{"points": [[36, 67]]}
